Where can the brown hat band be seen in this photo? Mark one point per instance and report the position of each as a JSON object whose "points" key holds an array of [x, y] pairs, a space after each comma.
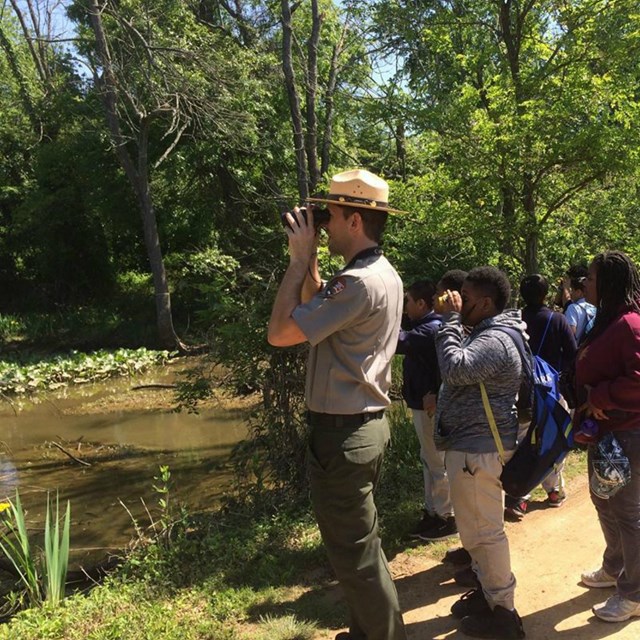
{"points": [[365, 201]]}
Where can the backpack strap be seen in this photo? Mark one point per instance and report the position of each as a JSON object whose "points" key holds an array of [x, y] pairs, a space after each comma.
{"points": [[544, 335], [492, 422], [525, 354]]}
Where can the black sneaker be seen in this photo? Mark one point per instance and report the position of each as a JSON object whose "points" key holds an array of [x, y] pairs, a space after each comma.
{"points": [[515, 509], [500, 624], [471, 603], [423, 526], [459, 556], [467, 578], [441, 529]]}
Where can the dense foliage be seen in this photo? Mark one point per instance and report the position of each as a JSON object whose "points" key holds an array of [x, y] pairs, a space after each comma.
{"points": [[506, 128]]}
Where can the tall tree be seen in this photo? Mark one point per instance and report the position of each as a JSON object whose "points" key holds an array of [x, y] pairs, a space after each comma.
{"points": [[314, 71], [530, 102], [160, 77]]}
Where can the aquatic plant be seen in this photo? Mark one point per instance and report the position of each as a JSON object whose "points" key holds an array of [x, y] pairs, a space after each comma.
{"points": [[76, 368], [15, 544], [56, 552], [43, 576], [162, 489]]}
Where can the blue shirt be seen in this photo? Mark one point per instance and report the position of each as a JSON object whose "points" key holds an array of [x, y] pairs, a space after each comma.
{"points": [[579, 314]]}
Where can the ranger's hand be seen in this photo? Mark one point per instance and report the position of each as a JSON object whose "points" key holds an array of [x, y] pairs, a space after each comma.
{"points": [[303, 238]]}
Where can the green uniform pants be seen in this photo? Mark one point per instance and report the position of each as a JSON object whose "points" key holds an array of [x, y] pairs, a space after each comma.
{"points": [[344, 467]]}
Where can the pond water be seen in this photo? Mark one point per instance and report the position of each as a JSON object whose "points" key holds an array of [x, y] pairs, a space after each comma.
{"points": [[122, 450]]}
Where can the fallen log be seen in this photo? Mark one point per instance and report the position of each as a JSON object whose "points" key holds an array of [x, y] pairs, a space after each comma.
{"points": [[154, 385]]}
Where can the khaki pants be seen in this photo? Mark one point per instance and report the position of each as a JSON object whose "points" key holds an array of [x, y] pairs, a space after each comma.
{"points": [[478, 501], [344, 468], [437, 498]]}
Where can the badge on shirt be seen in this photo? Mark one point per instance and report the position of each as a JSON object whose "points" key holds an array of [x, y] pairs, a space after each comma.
{"points": [[335, 287]]}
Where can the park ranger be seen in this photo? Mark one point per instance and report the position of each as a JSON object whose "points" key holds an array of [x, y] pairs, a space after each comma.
{"points": [[352, 324]]}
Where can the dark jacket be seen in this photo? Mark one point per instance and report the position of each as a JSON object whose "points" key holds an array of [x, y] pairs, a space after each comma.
{"points": [[610, 365], [420, 367], [559, 346]]}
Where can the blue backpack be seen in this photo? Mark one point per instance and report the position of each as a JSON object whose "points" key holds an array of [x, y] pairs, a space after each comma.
{"points": [[549, 437]]}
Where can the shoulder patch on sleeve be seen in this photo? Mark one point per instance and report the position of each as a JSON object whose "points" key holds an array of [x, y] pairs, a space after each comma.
{"points": [[335, 286]]}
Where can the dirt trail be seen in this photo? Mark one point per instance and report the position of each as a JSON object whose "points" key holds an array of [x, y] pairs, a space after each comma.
{"points": [[549, 550]]}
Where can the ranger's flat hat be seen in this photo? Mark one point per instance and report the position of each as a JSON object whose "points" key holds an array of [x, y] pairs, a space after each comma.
{"points": [[358, 188]]}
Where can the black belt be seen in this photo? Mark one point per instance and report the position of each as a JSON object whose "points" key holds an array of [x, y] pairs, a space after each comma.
{"points": [[316, 419]]}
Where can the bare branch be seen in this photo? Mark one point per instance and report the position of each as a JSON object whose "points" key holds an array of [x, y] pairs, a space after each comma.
{"points": [[172, 146], [35, 55], [23, 89]]}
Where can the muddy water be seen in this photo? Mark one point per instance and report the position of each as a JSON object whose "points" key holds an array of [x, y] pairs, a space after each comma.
{"points": [[122, 436]]}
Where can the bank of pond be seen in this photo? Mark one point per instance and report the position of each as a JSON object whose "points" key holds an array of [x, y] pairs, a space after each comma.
{"points": [[113, 449]]}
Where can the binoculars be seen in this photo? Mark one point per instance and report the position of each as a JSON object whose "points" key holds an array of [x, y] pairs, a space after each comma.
{"points": [[320, 216]]}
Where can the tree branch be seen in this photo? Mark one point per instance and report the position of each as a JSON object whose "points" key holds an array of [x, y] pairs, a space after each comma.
{"points": [[569, 193]]}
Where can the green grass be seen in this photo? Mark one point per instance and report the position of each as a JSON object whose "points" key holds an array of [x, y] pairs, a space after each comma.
{"points": [[286, 628], [120, 611], [213, 576]]}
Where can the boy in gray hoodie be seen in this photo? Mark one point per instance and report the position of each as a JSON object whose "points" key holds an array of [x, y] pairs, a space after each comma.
{"points": [[489, 356]]}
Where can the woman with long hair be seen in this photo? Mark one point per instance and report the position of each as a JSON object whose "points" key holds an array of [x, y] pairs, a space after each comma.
{"points": [[607, 377]]}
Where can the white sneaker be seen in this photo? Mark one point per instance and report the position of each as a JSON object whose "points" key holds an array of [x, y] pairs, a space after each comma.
{"points": [[617, 609], [598, 579]]}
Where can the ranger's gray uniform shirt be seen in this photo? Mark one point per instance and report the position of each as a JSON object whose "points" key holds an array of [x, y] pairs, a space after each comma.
{"points": [[352, 325]]}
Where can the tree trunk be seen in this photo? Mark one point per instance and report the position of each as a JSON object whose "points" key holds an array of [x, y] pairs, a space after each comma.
{"points": [[38, 56], [531, 252], [328, 101], [28, 104], [294, 101], [139, 181], [332, 83], [166, 333], [311, 92], [508, 211], [531, 226], [401, 148]]}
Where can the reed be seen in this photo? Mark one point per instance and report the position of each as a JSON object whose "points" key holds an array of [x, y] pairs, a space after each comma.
{"points": [[15, 544], [56, 552], [43, 576]]}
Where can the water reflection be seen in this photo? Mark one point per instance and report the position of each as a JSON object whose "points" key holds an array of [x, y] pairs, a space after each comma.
{"points": [[8, 478], [124, 450]]}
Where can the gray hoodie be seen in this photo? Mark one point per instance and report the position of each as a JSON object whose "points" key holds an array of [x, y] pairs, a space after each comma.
{"points": [[487, 355]]}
